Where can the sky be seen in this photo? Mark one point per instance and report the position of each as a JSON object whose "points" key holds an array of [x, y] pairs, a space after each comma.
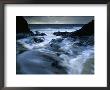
{"points": [[58, 19]]}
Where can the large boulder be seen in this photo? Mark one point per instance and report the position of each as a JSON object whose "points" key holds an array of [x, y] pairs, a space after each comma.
{"points": [[21, 25]]}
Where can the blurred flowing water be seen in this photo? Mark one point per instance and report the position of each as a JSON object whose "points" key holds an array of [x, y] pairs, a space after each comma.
{"points": [[55, 55]]}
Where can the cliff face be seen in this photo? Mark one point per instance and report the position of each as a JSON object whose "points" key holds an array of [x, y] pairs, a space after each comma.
{"points": [[86, 30], [21, 25]]}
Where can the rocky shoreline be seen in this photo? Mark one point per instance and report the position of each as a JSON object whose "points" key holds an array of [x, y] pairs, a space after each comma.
{"points": [[64, 55]]}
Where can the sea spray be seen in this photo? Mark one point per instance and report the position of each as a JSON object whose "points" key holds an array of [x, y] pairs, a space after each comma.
{"points": [[70, 57]]}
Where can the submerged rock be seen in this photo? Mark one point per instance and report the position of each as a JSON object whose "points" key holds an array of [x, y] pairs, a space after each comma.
{"points": [[66, 34], [38, 39], [39, 34], [20, 48], [55, 44]]}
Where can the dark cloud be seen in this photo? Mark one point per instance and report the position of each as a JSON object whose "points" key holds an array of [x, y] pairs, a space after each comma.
{"points": [[58, 19]]}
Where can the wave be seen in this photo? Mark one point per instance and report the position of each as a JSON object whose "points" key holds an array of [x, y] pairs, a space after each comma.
{"points": [[56, 55]]}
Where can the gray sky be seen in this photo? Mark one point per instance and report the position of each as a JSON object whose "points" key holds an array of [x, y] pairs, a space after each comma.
{"points": [[58, 19]]}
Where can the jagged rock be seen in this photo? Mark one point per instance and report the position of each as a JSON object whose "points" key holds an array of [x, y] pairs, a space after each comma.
{"points": [[86, 30], [38, 40], [61, 33], [39, 34], [21, 25], [42, 34]]}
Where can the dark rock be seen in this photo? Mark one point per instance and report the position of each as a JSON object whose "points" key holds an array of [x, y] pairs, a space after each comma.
{"points": [[85, 40], [20, 36], [21, 25], [58, 54], [23, 35], [39, 34], [58, 40], [61, 33], [86, 30], [56, 64], [20, 48], [42, 34], [55, 44], [89, 41], [38, 40]]}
